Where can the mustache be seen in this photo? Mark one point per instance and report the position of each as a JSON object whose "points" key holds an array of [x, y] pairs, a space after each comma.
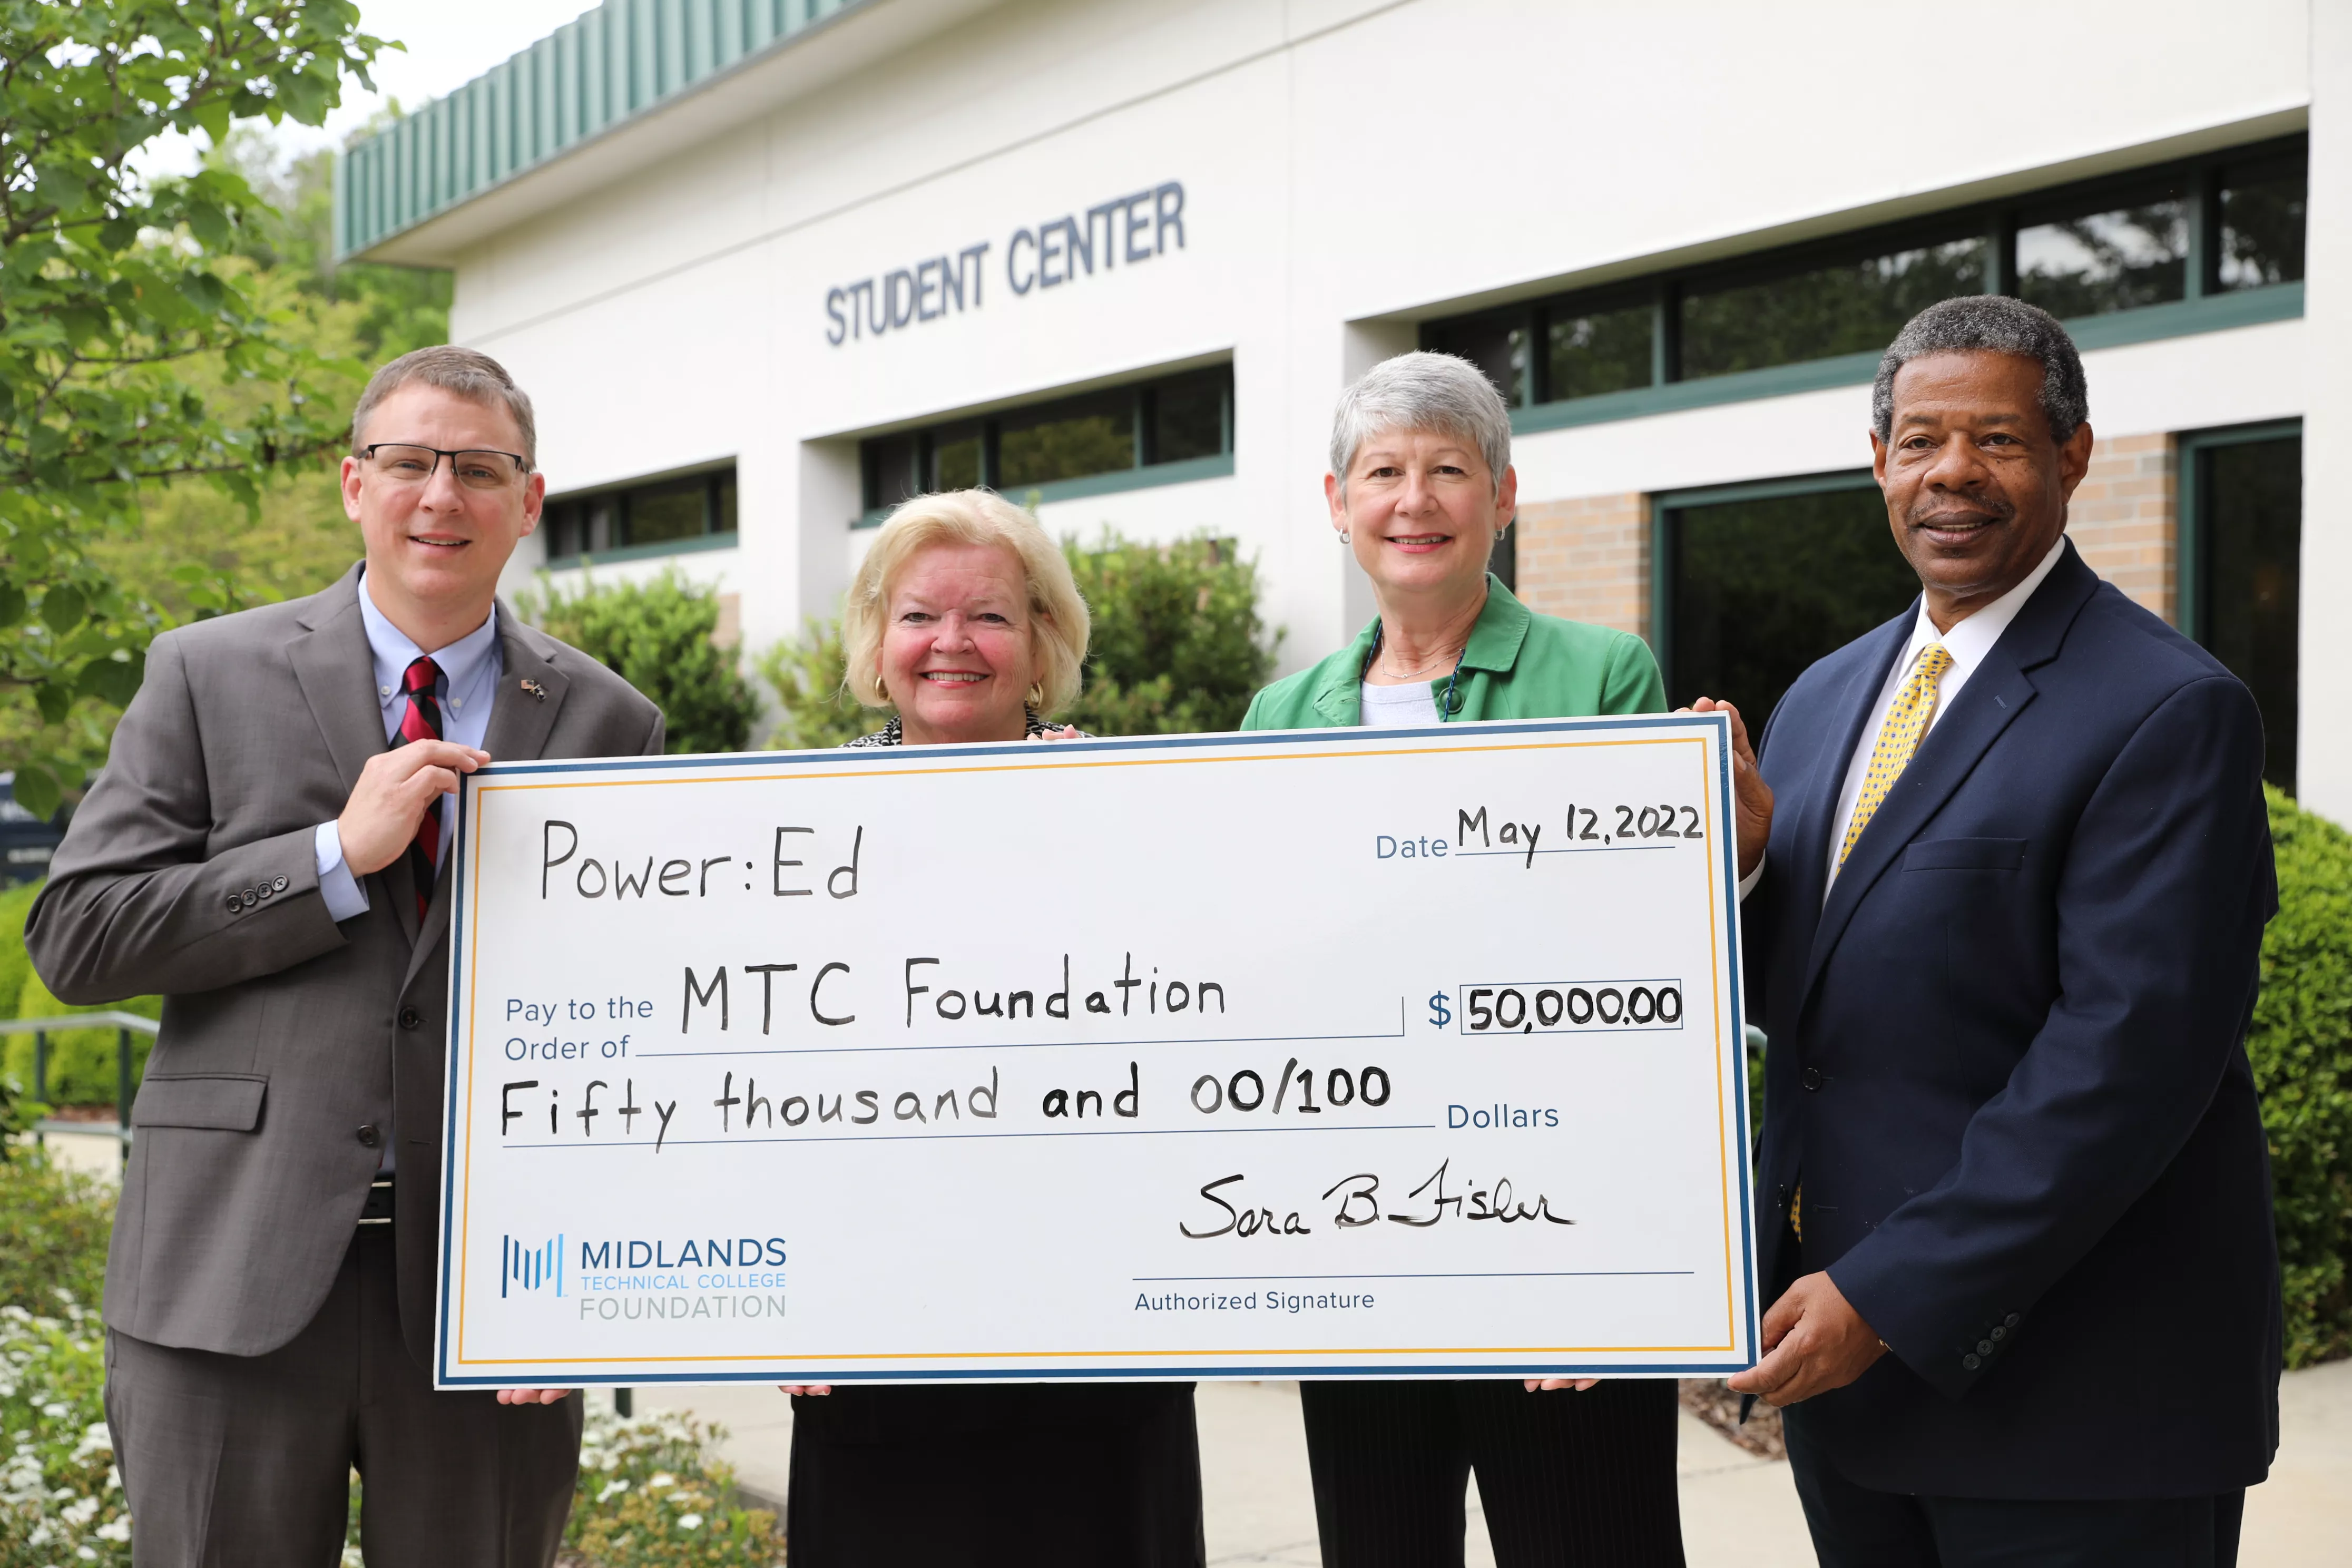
{"points": [[1984, 509]]}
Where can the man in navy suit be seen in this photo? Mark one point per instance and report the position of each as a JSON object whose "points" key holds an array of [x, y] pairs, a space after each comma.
{"points": [[2004, 940]]}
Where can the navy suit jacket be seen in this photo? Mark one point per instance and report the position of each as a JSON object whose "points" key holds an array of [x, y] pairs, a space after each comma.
{"points": [[2007, 1061]]}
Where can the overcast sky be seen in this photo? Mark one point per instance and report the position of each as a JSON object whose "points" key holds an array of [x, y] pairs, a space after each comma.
{"points": [[450, 42]]}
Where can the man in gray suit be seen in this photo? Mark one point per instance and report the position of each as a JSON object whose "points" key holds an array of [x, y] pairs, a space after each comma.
{"points": [[267, 847]]}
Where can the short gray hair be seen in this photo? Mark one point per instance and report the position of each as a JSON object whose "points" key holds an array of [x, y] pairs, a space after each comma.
{"points": [[468, 373], [1422, 392], [1989, 323]]}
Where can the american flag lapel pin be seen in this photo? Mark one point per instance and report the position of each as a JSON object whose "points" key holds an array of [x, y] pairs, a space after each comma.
{"points": [[537, 691]]}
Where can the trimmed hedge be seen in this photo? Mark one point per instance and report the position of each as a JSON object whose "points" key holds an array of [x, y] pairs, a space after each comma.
{"points": [[2301, 1048]]}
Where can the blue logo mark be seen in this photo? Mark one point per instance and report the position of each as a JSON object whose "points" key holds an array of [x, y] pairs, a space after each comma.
{"points": [[529, 1268]]}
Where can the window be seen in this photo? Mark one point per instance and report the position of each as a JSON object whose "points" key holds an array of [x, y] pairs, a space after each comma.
{"points": [[2115, 251], [1819, 307], [1154, 431], [695, 512], [2261, 218], [2242, 548], [2187, 236], [1758, 581], [1548, 354]]}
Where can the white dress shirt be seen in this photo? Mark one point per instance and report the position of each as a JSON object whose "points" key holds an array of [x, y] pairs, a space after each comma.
{"points": [[470, 669], [1968, 643]]}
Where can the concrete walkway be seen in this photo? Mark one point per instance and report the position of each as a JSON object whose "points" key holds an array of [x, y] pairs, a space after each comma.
{"points": [[1738, 1512]]}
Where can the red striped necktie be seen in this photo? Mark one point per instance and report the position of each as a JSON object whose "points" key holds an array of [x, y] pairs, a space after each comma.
{"points": [[422, 721]]}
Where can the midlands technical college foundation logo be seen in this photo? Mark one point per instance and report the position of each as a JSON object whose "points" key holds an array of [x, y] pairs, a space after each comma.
{"points": [[525, 1268]]}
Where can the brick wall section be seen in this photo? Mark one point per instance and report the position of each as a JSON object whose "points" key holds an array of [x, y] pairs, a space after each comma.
{"points": [[1588, 560], [2124, 519]]}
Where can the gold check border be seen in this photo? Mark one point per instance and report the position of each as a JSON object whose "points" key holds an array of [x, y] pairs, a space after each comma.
{"points": [[1715, 969]]}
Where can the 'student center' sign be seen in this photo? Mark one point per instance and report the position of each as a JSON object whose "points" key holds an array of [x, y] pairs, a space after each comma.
{"points": [[1125, 230]]}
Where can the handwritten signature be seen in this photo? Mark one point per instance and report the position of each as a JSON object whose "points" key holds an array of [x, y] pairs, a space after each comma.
{"points": [[1360, 1205]]}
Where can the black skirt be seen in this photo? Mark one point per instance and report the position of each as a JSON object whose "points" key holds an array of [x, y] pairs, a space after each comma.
{"points": [[1078, 1474]]}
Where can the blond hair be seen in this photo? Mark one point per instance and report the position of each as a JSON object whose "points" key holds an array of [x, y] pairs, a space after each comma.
{"points": [[1058, 619]]}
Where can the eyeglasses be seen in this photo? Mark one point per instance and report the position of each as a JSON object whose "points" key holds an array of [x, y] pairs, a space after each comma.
{"points": [[475, 470]]}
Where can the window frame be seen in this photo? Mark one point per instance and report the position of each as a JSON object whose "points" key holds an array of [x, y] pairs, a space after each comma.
{"points": [[1142, 473], [1666, 544], [2205, 306], [714, 478], [2192, 547]]}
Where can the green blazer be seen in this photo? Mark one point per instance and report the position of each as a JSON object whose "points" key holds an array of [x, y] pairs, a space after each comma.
{"points": [[1519, 665]]}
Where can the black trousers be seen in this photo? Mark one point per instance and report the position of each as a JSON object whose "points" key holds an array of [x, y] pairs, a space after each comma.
{"points": [[1854, 1527], [1023, 1475], [247, 1460], [1568, 1479]]}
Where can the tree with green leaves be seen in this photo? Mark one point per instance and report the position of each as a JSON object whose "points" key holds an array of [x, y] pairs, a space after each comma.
{"points": [[135, 347]]}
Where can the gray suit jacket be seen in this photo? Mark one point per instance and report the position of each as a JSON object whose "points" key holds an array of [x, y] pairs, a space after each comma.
{"points": [[190, 871]]}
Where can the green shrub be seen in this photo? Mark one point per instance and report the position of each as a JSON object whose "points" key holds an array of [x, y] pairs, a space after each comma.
{"points": [[2301, 1047], [657, 636], [1177, 647], [14, 962], [82, 1069], [18, 1112], [650, 1495], [60, 1499], [814, 707], [54, 1224]]}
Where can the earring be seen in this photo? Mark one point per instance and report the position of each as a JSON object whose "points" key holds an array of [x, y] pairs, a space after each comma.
{"points": [[1344, 536]]}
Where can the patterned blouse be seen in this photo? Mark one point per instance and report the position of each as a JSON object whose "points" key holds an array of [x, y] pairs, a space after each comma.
{"points": [[891, 735]]}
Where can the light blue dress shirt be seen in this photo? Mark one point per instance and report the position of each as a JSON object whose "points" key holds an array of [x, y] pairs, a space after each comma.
{"points": [[470, 669]]}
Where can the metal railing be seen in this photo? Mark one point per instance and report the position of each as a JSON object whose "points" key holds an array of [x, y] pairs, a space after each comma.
{"points": [[123, 1024]]}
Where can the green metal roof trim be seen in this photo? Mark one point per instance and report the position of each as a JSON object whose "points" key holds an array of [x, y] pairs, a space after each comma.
{"points": [[612, 64]]}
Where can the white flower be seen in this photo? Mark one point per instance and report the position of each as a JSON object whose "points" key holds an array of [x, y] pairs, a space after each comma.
{"points": [[86, 1554], [661, 1478], [54, 1411], [115, 1529], [613, 1488], [689, 1521], [79, 1514]]}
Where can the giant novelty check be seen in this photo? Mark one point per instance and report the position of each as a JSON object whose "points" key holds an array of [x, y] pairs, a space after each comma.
{"points": [[1339, 1054]]}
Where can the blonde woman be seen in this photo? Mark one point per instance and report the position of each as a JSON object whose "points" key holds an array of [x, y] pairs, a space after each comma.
{"points": [[965, 619]]}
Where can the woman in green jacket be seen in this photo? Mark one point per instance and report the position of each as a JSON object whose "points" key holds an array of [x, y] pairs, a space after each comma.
{"points": [[1414, 494], [1421, 488]]}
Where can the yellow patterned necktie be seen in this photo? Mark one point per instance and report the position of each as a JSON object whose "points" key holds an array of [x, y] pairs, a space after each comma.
{"points": [[1898, 739]]}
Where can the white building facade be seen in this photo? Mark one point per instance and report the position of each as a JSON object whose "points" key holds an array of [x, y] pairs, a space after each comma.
{"points": [[768, 266]]}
